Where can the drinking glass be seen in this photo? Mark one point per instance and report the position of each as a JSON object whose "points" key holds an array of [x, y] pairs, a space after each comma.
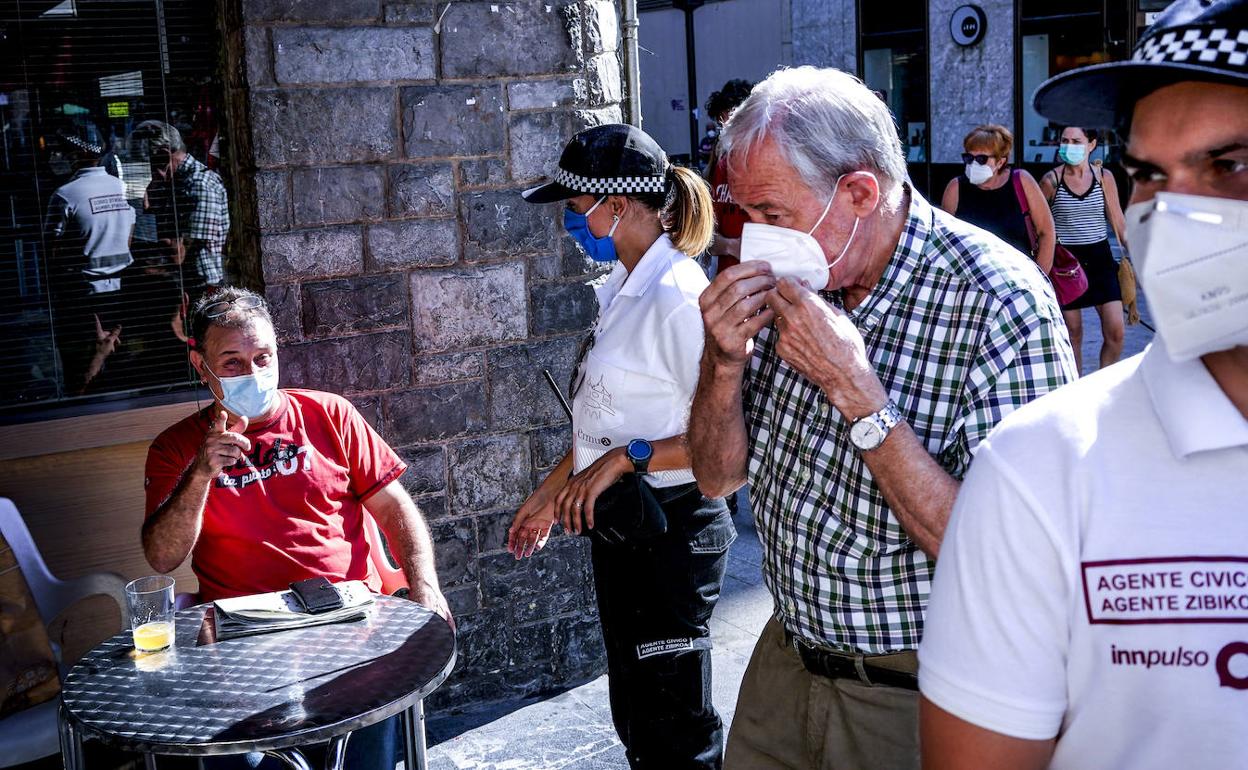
{"points": [[150, 603]]}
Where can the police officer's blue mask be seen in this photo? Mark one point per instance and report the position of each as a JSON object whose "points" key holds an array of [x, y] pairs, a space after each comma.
{"points": [[599, 249]]}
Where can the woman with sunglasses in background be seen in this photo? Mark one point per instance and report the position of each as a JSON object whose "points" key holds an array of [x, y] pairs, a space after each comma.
{"points": [[987, 195], [1084, 200], [631, 391]]}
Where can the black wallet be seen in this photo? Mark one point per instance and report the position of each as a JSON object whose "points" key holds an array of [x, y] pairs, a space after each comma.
{"points": [[317, 595], [628, 512]]}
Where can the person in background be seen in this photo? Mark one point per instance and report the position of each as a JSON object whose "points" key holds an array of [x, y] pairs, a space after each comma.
{"points": [[90, 225], [1090, 601], [984, 195], [852, 401], [630, 401], [729, 218], [1083, 199], [191, 207]]}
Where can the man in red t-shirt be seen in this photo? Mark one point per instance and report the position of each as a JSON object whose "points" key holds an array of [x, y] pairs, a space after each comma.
{"points": [[729, 218], [267, 486]]}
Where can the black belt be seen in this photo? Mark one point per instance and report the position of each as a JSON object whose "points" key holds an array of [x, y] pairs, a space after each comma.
{"points": [[841, 665]]}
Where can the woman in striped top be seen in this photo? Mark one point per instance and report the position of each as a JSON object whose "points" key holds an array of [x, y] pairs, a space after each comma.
{"points": [[1084, 200]]}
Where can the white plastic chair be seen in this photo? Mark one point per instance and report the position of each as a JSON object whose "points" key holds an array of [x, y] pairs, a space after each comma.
{"points": [[32, 734]]}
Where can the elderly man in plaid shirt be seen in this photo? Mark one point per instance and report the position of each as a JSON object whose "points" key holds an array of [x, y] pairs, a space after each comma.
{"points": [[852, 407], [190, 203]]}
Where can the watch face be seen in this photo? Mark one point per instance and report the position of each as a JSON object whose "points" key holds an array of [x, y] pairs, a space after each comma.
{"points": [[865, 434], [639, 449]]}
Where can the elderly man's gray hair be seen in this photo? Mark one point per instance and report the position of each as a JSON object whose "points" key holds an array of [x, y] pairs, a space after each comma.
{"points": [[825, 122], [160, 136]]}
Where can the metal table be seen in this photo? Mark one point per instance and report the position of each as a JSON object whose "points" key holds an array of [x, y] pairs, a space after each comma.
{"points": [[270, 692]]}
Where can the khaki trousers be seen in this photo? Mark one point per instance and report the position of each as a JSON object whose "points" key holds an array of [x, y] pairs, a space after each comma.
{"points": [[788, 717]]}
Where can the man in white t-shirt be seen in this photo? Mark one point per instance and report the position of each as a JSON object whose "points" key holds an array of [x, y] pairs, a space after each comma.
{"points": [[1090, 605], [89, 225]]}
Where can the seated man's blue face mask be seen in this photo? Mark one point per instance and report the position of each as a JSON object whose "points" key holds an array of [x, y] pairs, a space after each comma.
{"points": [[249, 395]]}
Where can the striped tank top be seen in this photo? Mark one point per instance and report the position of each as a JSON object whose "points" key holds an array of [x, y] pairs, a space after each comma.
{"points": [[1079, 219]]}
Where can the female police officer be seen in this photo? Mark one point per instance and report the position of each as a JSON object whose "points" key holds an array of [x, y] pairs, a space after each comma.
{"points": [[631, 393]]}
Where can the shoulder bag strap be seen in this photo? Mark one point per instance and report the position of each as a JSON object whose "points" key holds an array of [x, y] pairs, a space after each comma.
{"points": [[1016, 179]]}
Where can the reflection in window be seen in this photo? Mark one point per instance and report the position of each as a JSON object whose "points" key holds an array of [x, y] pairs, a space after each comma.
{"points": [[894, 65], [1058, 36], [113, 211]]}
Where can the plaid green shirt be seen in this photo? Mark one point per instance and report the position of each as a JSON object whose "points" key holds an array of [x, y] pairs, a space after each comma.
{"points": [[962, 330], [199, 212]]}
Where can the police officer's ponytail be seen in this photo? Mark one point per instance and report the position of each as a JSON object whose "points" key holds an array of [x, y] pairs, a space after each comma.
{"points": [[684, 209]]}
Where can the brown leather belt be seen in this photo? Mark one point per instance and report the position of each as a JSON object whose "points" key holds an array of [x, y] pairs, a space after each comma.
{"points": [[845, 665]]}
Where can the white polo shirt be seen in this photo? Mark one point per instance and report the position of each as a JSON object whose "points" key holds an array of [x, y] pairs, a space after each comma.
{"points": [[90, 212], [641, 372], [1093, 581]]}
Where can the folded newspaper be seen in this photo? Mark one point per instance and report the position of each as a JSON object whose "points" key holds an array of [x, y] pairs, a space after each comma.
{"points": [[281, 611]]}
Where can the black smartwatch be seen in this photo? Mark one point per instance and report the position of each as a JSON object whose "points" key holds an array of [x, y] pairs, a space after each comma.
{"points": [[639, 452]]}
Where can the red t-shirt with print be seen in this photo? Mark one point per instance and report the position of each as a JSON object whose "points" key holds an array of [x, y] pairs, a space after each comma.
{"points": [[729, 217], [293, 508]]}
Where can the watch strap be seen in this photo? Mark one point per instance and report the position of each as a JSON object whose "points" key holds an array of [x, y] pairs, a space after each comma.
{"points": [[885, 419]]}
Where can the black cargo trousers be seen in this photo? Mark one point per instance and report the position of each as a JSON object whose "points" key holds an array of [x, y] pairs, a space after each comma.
{"points": [[655, 600]]}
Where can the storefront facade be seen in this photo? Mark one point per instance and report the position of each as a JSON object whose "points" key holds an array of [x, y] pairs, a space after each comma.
{"points": [[943, 66]]}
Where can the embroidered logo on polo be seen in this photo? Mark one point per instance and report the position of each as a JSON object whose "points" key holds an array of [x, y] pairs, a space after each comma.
{"points": [[1178, 590], [279, 458], [598, 399]]}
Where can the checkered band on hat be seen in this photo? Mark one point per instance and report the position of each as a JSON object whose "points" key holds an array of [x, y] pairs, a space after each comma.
{"points": [[1207, 46], [84, 145], [618, 185]]}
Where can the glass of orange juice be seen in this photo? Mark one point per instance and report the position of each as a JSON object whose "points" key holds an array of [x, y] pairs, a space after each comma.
{"points": [[150, 602]]}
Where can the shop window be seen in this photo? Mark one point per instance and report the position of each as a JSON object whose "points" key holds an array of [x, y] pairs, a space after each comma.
{"points": [[894, 65], [113, 209], [1057, 36]]}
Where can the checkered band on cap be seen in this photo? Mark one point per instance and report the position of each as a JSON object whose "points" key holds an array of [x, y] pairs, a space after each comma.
{"points": [[84, 145], [618, 185], [1207, 46]]}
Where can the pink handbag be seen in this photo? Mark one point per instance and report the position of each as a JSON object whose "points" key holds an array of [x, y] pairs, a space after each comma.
{"points": [[1069, 280]]}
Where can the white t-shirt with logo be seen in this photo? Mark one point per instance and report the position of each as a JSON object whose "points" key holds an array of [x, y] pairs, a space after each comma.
{"points": [[640, 374], [90, 212], [1093, 581]]}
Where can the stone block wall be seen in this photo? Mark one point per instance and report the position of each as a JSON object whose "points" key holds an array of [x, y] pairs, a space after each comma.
{"points": [[391, 141], [969, 86]]}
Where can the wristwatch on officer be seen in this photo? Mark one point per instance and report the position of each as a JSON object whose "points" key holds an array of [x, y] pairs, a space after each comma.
{"points": [[639, 452], [869, 432]]}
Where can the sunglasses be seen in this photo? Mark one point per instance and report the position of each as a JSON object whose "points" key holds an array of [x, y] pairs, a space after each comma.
{"points": [[578, 374], [221, 307], [981, 159]]}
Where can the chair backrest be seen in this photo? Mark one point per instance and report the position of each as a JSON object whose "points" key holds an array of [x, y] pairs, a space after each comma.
{"points": [[392, 577], [43, 585]]}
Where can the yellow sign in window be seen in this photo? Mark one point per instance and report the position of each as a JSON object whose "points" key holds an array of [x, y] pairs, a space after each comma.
{"points": [[119, 109]]}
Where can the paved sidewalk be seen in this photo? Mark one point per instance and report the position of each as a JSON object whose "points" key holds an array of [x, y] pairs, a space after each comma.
{"points": [[573, 729]]}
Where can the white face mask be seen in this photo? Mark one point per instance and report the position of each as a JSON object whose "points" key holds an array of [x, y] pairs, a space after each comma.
{"points": [[793, 253], [979, 173], [1192, 256]]}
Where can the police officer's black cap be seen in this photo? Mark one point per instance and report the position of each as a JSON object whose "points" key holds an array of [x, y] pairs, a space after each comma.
{"points": [[82, 137], [1202, 40], [612, 159]]}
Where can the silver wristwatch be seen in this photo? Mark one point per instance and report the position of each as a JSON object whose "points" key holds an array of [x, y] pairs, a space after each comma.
{"points": [[869, 432]]}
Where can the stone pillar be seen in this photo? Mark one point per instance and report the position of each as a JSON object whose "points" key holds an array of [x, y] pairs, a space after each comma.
{"points": [[825, 33], [971, 85], [391, 142]]}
